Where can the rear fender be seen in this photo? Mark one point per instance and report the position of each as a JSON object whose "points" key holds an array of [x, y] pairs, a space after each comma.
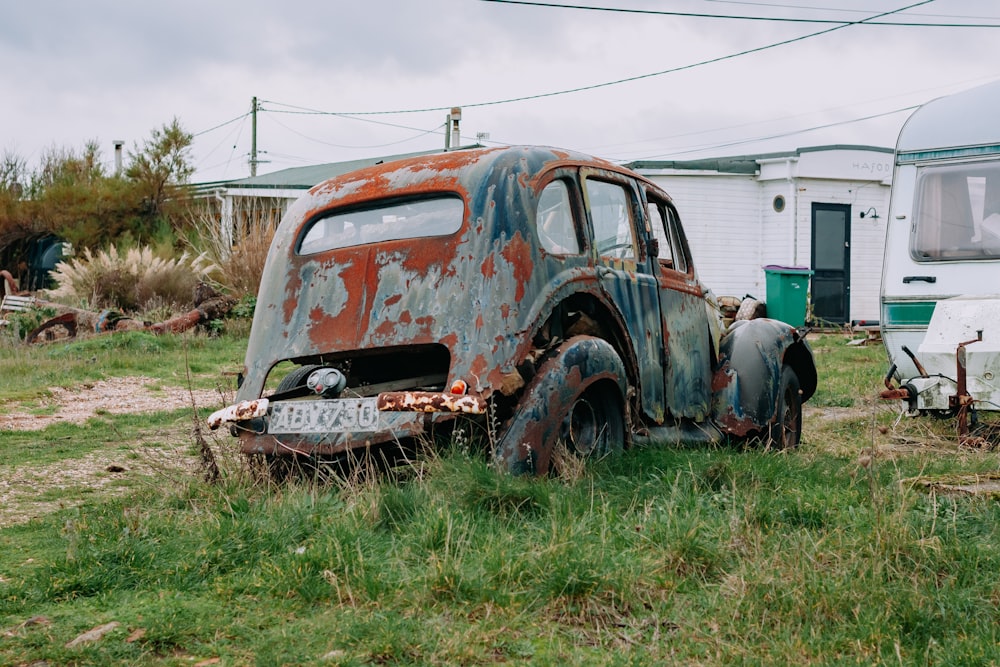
{"points": [[745, 386], [577, 364]]}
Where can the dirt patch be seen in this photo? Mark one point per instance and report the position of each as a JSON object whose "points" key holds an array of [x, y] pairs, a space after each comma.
{"points": [[123, 395], [31, 491]]}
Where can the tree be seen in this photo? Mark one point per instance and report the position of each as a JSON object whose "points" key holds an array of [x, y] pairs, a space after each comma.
{"points": [[65, 168], [13, 174], [162, 166]]}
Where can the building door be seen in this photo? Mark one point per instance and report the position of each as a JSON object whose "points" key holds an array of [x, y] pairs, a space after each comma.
{"points": [[831, 263]]}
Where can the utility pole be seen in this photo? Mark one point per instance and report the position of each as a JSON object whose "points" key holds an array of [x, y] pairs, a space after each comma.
{"points": [[452, 136], [253, 138]]}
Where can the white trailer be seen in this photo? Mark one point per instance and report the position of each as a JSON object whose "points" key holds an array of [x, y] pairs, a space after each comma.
{"points": [[942, 256]]}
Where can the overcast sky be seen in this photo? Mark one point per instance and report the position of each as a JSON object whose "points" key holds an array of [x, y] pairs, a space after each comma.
{"points": [[76, 71]]}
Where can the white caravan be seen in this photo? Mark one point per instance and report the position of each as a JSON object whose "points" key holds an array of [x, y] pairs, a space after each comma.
{"points": [[940, 299]]}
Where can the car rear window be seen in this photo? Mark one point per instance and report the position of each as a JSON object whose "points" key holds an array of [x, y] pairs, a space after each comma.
{"points": [[393, 221]]}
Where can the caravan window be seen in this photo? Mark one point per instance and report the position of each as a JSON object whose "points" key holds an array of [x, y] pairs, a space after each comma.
{"points": [[957, 212]]}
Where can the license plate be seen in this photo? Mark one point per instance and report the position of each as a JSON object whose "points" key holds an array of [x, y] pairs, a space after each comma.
{"points": [[339, 415]]}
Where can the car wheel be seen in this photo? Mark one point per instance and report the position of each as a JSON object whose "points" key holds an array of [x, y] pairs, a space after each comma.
{"points": [[786, 430], [595, 425]]}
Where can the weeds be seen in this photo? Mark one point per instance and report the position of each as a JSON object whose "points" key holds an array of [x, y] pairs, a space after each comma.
{"points": [[239, 254]]}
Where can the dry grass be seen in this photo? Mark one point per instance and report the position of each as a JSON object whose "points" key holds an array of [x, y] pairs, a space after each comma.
{"points": [[239, 257], [131, 281]]}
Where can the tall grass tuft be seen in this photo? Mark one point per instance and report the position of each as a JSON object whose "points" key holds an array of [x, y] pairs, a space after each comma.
{"points": [[239, 256], [132, 281]]}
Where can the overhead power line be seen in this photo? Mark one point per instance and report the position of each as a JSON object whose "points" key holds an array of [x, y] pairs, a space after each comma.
{"points": [[420, 133], [638, 77], [843, 10], [780, 135], [735, 17], [228, 122]]}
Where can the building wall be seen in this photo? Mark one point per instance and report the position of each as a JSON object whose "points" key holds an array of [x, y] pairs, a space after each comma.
{"points": [[867, 235], [721, 218]]}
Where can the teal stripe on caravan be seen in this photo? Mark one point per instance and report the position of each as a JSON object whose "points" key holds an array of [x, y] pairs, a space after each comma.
{"points": [[949, 153], [907, 313]]}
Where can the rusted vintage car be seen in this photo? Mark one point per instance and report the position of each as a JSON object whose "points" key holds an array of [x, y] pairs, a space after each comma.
{"points": [[543, 294]]}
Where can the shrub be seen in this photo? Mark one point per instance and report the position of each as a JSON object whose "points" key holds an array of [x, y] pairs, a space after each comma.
{"points": [[133, 281]]}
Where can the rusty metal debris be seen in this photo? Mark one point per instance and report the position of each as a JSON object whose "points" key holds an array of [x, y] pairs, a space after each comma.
{"points": [[209, 305]]}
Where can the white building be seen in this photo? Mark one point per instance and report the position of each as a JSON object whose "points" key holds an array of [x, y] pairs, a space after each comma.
{"points": [[821, 208]]}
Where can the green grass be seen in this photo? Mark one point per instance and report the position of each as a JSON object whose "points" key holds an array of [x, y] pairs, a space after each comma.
{"points": [[659, 556], [29, 372]]}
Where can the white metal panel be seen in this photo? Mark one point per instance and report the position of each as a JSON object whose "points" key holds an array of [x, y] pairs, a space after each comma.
{"points": [[968, 118]]}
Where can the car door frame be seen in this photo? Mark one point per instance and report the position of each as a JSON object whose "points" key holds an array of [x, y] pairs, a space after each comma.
{"points": [[688, 352], [631, 287]]}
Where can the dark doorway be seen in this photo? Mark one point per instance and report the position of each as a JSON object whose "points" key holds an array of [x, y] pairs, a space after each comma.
{"points": [[831, 263]]}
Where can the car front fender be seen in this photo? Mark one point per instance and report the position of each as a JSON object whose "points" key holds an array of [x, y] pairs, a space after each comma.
{"points": [[746, 383]]}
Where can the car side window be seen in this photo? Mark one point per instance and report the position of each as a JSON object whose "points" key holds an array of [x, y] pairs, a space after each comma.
{"points": [[610, 212], [677, 243], [658, 221], [554, 220]]}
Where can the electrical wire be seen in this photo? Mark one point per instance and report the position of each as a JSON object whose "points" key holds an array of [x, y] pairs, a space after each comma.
{"points": [[780, 135], [702, 15], [391, 143], [834, 9], [639, 77], [923, 92], [228, 122], [306, 111]]}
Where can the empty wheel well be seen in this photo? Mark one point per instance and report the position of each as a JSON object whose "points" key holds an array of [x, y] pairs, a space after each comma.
{"points": [[583, 314], [798, 357]]}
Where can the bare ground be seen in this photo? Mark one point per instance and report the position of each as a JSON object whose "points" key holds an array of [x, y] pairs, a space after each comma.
{"points": [[32, 491]]}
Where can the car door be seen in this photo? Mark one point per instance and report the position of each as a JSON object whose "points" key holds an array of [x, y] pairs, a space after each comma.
{"points": [[625, 273], [686, 338]]}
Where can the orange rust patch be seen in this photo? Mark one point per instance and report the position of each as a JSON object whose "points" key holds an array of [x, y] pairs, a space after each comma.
{"points": [[489, 269], [479, 366], [518, 253], [292, 288]]}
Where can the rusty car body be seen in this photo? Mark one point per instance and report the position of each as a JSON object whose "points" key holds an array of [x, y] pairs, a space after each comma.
{"points": [[542, 294]]}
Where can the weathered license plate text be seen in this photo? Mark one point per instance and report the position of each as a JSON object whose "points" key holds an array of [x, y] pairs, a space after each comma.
{"points": [[340, 415]]}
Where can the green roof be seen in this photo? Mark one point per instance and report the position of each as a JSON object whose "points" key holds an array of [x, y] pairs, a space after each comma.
{"points": [[743, 164], [303, 178]]}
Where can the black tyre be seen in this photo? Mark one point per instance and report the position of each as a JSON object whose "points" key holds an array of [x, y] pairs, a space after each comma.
{"points": [[296, 379], [595, 425], [786, 431]]}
